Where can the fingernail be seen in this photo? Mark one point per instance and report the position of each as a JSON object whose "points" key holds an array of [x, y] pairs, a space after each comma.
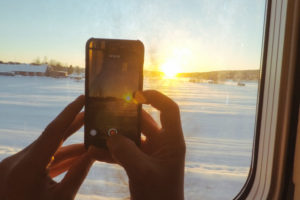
{"points": [[80, 98], [139, 97], [92, 149]]}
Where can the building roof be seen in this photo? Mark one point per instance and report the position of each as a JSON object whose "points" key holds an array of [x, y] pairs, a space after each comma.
{"points": [[22, 68]]}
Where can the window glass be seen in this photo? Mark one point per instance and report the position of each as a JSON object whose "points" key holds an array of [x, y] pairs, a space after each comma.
{"points": [[204, 54]]}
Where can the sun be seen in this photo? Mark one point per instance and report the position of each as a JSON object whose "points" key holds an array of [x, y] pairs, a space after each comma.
{"points": [[170, 68]]}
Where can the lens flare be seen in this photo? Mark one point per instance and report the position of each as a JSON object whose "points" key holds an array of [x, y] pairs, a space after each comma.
{"points": [[127, 97]]}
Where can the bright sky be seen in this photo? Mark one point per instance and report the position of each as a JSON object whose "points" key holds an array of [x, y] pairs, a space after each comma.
{"points": [[197, 35]]}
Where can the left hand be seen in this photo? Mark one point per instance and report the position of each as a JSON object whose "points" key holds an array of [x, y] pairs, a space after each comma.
{"points": [[28, 174]]}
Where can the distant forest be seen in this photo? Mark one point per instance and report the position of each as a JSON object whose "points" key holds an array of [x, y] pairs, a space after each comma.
{"points": [[213, 75], [224, 75], [55, 65]]}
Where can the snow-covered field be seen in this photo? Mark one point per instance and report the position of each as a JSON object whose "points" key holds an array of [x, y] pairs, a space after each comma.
{"points": [[218, 122]]}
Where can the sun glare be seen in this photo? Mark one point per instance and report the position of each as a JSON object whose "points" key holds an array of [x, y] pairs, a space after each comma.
{"points": [[170, 68], [175, 62]]}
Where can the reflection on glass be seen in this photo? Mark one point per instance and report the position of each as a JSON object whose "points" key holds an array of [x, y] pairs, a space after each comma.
{"points": [[111, 75]]}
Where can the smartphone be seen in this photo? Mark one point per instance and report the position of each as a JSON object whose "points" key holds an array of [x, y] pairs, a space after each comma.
{"points": [[114, 72]]}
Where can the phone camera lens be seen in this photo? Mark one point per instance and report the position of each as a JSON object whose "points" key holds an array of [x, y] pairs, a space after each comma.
{"points": [[93, 132]]}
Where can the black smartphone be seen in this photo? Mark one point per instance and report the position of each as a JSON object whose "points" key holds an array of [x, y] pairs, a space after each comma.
{"points": [[114, 72]]}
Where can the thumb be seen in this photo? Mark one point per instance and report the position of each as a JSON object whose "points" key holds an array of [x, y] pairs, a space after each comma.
{"points": [[127, 154]]}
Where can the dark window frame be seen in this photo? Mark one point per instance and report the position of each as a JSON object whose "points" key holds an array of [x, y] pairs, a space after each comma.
{"points": [[271, 171]]}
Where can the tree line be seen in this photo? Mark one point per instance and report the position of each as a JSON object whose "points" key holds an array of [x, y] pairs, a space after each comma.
{"points": [[53, 64], [224, 75]]}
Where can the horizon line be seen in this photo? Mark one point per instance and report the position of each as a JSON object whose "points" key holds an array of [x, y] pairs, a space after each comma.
{"points": [[145, 69]]}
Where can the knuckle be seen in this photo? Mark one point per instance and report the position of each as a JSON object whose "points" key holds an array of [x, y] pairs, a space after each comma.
{"points": [[173, 107], [182, 148], [50, 128], [176, 107], [5, 168]]}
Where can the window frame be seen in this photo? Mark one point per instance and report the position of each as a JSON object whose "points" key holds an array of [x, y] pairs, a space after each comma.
{"points": [[272, 146]]}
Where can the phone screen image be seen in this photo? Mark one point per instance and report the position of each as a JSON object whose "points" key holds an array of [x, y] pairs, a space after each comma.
{"points": [[113, 74]]}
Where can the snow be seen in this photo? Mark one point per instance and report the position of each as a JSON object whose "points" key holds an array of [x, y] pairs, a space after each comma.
{"points": [[218, 122], [22, 68]]}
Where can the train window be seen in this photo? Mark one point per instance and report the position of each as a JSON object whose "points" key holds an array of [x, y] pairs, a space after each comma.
{"points": [[206, 55]]}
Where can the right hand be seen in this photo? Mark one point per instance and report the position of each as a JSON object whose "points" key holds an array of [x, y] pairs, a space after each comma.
{"points": [[156, 170]]}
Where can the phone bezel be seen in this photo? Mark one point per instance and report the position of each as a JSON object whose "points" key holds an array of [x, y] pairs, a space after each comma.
{"points": [[139, 45]]}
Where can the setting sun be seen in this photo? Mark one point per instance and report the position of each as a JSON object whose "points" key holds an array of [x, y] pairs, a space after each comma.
{"points": [[170, 68], [175, 62]]}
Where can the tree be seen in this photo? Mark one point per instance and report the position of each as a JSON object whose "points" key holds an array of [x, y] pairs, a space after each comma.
{"points": [[70, 69], [36, 61], [45, 60]]}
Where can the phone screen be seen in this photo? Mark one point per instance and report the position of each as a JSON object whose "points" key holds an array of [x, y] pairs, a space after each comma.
{"points": [[114, 73]]}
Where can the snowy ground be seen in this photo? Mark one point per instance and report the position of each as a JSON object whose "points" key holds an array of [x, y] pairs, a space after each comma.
{"points": [[218, 123]]}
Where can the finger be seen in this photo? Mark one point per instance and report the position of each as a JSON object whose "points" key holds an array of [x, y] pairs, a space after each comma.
{"points": [[75, 126], [99, 154], [46, 145], [147, 146], [127, 154], [170, 115], [148, 126], [68, 152], [75, 176], [62, 166], [65, 157]]}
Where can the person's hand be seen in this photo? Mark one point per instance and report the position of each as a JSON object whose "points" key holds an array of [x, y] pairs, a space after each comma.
{"points": [[28, 174], [156, 171]]}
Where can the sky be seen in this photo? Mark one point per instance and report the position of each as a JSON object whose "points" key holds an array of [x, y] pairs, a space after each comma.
{"points": [[197, 35]]}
